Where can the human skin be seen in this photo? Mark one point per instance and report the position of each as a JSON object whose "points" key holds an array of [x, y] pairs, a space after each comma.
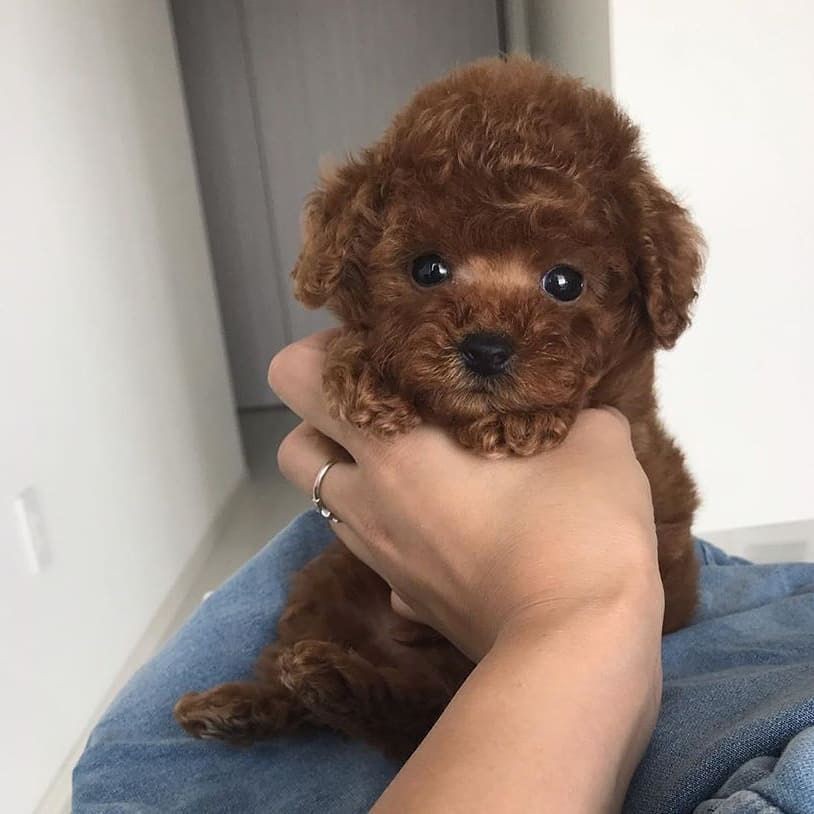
{"points": [[543, 570]]}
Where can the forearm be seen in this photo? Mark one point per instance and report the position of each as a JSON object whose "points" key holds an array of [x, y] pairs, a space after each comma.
{"points": [[548, 723]]}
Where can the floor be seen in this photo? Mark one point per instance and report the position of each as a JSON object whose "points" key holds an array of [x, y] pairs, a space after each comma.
{"points": [[264, 506]]}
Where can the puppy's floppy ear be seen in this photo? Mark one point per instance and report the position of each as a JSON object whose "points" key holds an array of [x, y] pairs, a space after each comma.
{"points": [[337, 218], [669, 261]]}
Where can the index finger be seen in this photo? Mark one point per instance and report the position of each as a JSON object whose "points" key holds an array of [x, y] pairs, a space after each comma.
{"points": [[295, 375]]}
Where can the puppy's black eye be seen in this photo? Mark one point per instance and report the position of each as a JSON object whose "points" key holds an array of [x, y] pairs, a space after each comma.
{"points": [[430, 270], [563, 283]]}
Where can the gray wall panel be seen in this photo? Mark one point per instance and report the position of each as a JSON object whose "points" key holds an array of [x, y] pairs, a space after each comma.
{"points": [[210, 40], [273, 87], [330, 75]]}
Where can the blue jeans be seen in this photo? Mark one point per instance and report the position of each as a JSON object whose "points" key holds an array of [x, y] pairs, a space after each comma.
{"points": [[733, 735]]}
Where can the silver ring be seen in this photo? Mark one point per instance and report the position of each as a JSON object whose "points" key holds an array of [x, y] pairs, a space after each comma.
{"points": [[316, 498]]}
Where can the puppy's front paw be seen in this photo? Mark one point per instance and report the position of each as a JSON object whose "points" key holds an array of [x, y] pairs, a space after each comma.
{"points": [[356, 393], [382, 413], [516, 433]]}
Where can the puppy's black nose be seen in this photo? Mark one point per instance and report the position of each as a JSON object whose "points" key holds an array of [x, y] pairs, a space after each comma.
{"points": [[485, 354]]}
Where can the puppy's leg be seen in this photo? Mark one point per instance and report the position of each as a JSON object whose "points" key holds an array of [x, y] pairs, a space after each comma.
{"points": [[679, 574], [356, 392], [240, 712], [391, 708]]}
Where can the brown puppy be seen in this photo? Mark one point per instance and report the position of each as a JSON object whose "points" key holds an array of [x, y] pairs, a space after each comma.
{"points": [[501, 259]]}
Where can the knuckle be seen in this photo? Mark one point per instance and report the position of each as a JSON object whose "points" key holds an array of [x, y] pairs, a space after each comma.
{"points": [[606, 424], [618, 430], [275, 370], [281, 366], [287, 453], [619, 417]]}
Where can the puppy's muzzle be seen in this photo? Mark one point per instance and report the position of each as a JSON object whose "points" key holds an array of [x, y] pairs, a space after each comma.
{"points": [[485, 354]]}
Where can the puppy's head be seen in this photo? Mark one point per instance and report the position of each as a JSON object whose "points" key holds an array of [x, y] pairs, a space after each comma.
{"points": [[502, 248]]}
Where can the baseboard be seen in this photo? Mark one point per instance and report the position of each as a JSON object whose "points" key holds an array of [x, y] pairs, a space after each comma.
{"points": [[57, 799]]}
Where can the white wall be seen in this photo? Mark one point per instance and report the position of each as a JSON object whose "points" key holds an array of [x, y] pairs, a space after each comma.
{"points": [[724, 91], [116, 403]]}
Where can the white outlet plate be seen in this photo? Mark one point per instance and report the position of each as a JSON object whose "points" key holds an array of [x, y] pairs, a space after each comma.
{"points": [[31, 530]]}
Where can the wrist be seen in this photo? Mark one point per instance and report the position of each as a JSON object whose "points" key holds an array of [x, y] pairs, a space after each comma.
{"points": [[620, 582], [634, 628], [601, 671], [618, 639], [634, 609]]}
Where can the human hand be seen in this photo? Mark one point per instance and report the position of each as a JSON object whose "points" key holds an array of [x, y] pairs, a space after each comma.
{"points": [[471, 546]]}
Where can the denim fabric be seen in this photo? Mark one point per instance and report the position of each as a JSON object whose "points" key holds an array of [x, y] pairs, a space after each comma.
{"points": [[739, 685], [769, 785]]}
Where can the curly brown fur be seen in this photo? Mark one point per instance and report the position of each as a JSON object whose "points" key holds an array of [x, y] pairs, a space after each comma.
{"points": [[505, 169], [342, 659]]}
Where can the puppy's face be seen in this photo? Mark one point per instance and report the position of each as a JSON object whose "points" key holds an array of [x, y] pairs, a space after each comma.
{"points": [[501, 249], [467, 331]]}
